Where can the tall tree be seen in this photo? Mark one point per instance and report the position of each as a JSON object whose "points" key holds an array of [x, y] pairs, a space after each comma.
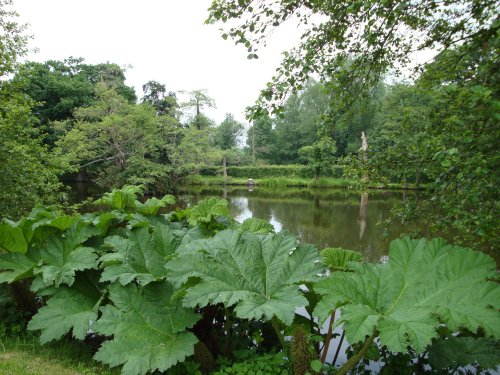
{"points": [[115, 141], [227, 137], [261, 139], [59, 87], [198, 100], [156, 94], [28, 173]]}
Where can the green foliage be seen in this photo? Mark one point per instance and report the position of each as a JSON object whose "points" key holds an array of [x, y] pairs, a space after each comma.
{"points": [[139, 257], [228, 133], [12, 238], [254, 225], [338, 259], [148, 329], [157, 290], [116, 142], [207, 211], [257, 274], [406, 299], [261, 364], [463, 351], [69, 309], [291, 170], [121, 199], [319, 156], [351, 43]]}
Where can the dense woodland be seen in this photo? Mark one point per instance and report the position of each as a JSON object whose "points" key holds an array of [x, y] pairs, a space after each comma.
{"points": [[436, 129]]}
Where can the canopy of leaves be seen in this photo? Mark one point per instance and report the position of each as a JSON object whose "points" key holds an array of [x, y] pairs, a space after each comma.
{"points": [[257, 274], [148, 329], [353, 43], [420, 287]]}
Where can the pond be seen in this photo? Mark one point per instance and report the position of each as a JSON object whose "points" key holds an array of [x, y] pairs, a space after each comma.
{"points": [[323, 217]]}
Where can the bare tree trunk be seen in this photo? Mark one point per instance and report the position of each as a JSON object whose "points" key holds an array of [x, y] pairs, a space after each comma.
{"points": [[364, 155]]}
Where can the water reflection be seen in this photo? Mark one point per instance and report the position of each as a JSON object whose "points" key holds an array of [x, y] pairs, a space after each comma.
{"points": [[326, 218]]}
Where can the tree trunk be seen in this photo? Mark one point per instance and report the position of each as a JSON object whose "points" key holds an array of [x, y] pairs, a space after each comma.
{"points": [[364, 155]]}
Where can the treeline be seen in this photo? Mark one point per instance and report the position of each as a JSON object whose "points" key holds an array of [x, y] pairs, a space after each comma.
{"points": [[68, 118]]}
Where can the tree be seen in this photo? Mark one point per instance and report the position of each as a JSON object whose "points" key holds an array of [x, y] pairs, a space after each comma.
{"points": [[228, 133], [155, 94], [59, 87], [354, 42], [261, 139], [319, 156], [300, 121], [115, 141], [28, 173], [227, 137], [198, 100]]}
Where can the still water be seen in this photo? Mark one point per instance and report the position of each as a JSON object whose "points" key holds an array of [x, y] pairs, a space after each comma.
{"points": [[323, 217]]}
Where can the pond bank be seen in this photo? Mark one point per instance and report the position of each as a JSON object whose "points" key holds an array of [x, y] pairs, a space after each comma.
{"points": [[323, 182]]}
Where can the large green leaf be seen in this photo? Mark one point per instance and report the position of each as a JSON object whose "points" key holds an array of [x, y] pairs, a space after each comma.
{"points": [[255, 225], [338, 259], [70, 308], [17, 266], [258, 274], [207, 210], [463, 351], [63, 256], [121, 199], [153, 205], [424, 283], [12, 238], [148, 329], [141, 256]]}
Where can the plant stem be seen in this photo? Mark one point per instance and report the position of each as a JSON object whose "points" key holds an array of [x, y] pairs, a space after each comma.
{"points": [[338, 348], [358, 356], [328, 338], [277, 328]]}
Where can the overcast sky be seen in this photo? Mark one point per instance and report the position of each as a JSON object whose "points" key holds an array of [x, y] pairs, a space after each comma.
{"points": [[162, 40]]}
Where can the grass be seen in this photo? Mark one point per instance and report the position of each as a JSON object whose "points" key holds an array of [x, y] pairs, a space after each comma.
{"points": [[278, 182], [23, 355]]}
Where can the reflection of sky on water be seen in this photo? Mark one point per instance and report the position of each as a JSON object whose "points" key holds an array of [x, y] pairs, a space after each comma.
{"points": [[239, 208], [241, 212]]}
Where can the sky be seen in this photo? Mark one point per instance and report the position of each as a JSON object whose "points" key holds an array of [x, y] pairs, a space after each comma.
{"points": [[162, 40]]}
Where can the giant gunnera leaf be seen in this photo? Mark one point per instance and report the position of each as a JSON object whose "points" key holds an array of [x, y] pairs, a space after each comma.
{"points": [[423, 285], [70, 308], [148, 329], [141, 256], [258, 274]]}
